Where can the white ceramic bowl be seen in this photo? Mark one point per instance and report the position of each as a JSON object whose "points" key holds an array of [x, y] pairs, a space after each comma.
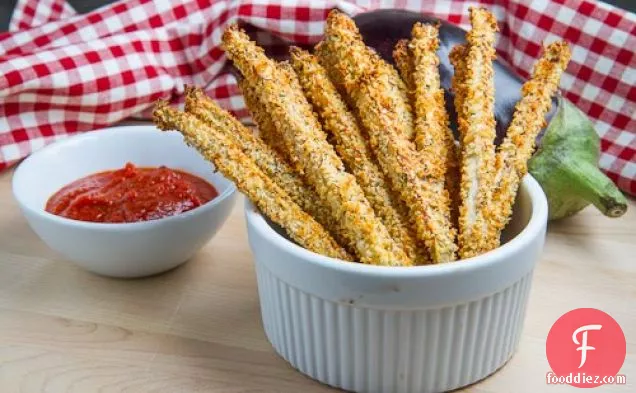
{"points": [[129, 249], [387, 329]]}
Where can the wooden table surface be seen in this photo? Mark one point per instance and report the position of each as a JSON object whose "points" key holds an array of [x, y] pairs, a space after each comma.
{"points": [[198, 328]]}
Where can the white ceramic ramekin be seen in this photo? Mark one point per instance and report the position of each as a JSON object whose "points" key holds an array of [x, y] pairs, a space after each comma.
{"points": [[385, 329], [128, 249]]}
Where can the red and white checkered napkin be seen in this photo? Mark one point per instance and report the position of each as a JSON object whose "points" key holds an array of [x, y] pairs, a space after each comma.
{"points": [[62, 73]]}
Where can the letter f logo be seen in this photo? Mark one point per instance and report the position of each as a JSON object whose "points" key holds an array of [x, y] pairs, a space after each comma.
{"points": [[584, 347]]}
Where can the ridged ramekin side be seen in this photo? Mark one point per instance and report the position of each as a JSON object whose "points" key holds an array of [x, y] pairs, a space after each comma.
{"points": [[386, 350]]}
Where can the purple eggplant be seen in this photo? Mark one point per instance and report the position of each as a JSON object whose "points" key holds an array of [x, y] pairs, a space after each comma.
{"points": [[566, 168]]}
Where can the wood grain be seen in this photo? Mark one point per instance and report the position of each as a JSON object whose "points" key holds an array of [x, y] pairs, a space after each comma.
{"points": [[198, 328]]}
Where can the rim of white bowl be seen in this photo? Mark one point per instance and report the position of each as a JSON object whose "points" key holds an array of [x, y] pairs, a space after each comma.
{"points": [[538, 220], [104, 132]]}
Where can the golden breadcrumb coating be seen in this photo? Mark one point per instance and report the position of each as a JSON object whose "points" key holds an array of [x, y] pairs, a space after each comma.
{"points": [[230, 160], [340, 26], [402, 94], [290, 79], [292, 114], [337, 228], [478, 135], [457, 58], [369, 87], [266, 130], [527, 121], [426, 200], [353, 148], [433, 136], [404, 63], [268, 160]]}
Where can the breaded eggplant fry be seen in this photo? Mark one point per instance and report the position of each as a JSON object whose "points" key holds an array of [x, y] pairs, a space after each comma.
{"points": [[404, 63], [274, 166], [478, 135], [290, 79], [368, 86], [404, 108], [396, 98], [268, 160], [431, 122], [230, 160], [289, 72], [353, 148], [457, 58], [427, 200], [261, 118], [340, 230], [433, 136], [322, 167], [527, 121]]}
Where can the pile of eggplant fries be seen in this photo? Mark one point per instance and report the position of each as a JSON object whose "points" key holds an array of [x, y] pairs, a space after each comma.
{"points": [[355, 159]]}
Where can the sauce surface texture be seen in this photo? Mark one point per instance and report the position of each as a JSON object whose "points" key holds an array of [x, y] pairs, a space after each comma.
{"points": [[130, 194]]}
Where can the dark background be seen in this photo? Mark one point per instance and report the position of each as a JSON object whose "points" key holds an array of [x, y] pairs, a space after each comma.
{"points": [[6, 7]]}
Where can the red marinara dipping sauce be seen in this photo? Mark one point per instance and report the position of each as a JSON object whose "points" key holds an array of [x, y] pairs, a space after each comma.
{"points": [[131, 194]]}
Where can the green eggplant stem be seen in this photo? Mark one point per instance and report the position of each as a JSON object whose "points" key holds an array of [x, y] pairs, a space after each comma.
{"points": [[596, 188], [566, 167]]}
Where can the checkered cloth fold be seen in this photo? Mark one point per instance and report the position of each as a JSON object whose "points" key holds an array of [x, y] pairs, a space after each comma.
{"points": [[63, 73]]}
